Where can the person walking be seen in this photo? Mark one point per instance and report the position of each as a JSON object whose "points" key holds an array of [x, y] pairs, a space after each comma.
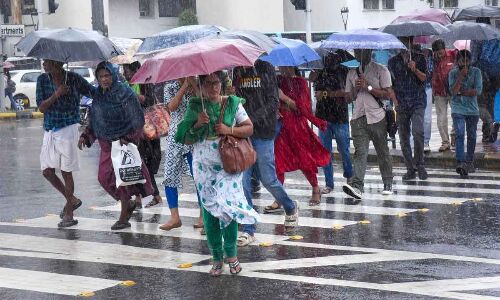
{"points": [[116, 114], [331, 106], [466, 84], [58, 98], [150, 150], [178, 156], [297, 146], [409, 72], [371, 81], [443, 62], [259, 87], [10, 89], [222, 197]]}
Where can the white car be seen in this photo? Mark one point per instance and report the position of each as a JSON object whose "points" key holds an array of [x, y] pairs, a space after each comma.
{"points": [[25, 80]]}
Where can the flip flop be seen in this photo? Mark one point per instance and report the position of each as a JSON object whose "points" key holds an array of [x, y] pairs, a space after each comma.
{"points": [[198, 226], [75, 207], [64, 224], [153, 202], [119, 225]]}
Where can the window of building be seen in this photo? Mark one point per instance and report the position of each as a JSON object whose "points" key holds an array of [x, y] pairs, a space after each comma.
{"points": [[448, 3], [387, 4], [371, 4], [172, 8], [145, 8], [28, 7], [491, 2]]}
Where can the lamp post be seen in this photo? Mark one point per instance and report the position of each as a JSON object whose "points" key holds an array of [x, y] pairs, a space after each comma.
{"points": [[344, 12]]}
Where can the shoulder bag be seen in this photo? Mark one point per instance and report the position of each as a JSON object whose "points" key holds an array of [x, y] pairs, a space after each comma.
{"points": [[236, 154]]}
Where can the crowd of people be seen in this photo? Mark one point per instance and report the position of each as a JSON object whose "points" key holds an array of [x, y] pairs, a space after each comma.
{"points": [[274, 110]]}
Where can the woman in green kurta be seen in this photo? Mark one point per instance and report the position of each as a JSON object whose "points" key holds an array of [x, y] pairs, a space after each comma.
{"points": [[224, 203]]}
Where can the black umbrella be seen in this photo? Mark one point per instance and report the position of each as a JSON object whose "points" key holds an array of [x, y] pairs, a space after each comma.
{"points": [[414, 28], [68, 45], [254, 37], [470, 31], [474, 12]]}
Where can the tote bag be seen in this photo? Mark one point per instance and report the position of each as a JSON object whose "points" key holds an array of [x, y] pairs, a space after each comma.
{"points": [[127, 164]]}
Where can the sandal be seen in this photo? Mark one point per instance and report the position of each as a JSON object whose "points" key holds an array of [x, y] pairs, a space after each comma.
{"points": [[216, 269], [153, 202], [119, 225], [202, 231], [168, 227], [293, 220], [64, 224], [314, 202], [326, 190], [235, 267], [198, 225], [75, 207], [273, 208]]}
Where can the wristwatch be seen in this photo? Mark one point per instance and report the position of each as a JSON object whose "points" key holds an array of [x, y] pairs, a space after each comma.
{"points": [[370, 88]]}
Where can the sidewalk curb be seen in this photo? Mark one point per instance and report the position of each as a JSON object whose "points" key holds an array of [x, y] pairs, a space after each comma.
{"points": [[21, 115]]}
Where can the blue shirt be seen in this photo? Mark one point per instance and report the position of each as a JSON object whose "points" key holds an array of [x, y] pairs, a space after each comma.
{"points": [[409, 90], [66, 110], [462, 104]]}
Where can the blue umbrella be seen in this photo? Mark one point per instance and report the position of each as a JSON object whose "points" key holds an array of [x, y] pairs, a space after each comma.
{"points": [[177, 36], [362, 39], [290, 53]]}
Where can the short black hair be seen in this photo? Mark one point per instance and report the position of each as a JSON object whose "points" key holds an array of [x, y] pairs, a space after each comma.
{"points": [[463, 54], [133, 66], [438, 45]]}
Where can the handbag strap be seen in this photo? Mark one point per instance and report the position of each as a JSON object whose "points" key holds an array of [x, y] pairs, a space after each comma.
{"points": [[358, 72], [222, 110]]}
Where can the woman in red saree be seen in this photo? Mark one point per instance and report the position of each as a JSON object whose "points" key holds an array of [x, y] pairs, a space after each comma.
{"points": [[297, 147]]}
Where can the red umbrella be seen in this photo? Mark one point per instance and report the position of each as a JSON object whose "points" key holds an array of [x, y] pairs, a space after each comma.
{"points": [[197, 58]]}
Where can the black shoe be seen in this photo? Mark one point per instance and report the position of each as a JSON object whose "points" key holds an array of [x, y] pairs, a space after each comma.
{"points": [[462, 170], [65, 224], [119, 225], [422, 173], [387, 189], [352, 191], [410, 175]]}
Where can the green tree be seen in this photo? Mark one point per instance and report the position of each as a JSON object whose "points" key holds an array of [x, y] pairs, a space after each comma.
{"points": [[187, 17]]}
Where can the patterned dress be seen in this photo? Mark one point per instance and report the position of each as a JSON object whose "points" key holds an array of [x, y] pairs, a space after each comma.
{"points": [[221, 193], [176, 164]]}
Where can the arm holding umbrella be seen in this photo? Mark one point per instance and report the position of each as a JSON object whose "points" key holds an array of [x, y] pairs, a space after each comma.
{"points": [[419, 71]]}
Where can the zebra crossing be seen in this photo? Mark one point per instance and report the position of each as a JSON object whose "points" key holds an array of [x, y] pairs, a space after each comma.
{"points": [[334, 241]]}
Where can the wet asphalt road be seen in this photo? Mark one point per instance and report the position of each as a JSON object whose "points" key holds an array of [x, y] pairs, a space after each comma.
{"points": [[403, 252]]}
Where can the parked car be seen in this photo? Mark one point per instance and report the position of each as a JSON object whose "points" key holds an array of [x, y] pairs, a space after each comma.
{"points": [[25, 80]]}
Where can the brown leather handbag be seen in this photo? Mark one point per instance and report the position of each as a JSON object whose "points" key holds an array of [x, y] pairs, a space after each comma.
{"points": [[236, 154]]}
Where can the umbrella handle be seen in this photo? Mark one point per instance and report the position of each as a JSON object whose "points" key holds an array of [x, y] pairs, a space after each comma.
{"points": [[201, 95]]}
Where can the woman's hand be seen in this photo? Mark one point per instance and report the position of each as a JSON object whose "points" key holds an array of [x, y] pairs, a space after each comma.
{"points": [[202, 120], [81, 143], [222, 129]]}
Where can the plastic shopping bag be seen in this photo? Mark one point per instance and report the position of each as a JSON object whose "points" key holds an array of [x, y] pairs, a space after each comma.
{"points": [[127, 164]]}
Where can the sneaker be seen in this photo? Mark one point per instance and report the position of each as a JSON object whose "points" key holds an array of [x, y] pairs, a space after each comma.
{"points": [[293, 220], [352, 191], [422, 173], [444, 147], [410, 175], [326, 190], [427, 149], [387, 189], [245, 239], [470, 167], [462, 170]]}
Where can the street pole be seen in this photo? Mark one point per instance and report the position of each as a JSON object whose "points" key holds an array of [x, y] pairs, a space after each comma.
{"points": [[40, 11], [308, 22]]}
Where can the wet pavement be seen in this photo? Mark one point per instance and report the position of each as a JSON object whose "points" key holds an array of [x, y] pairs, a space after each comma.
{"points": [[436, 239]]}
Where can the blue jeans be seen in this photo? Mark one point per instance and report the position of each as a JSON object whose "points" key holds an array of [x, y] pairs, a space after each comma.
{"points": [[461, 123], [266, 171], [428, 117], [13, 104], [339, 132]]}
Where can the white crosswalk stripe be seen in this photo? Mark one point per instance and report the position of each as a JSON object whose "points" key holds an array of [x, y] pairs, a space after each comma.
{"points": [[15, 245]]}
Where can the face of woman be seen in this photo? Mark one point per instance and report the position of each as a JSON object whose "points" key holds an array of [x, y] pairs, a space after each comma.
{"points": [[287, 71], [105, 79], [212, 87], [128, 73]]}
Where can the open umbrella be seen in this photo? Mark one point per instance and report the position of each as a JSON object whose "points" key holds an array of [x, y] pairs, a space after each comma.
{"points": [[470, 31], [7, 65], [414, 28], [177, 36], [68, 45], [432, 14], [291, 53], [474, 12], [254, 37], [197, 58], [462, 45], [362, 39]]}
